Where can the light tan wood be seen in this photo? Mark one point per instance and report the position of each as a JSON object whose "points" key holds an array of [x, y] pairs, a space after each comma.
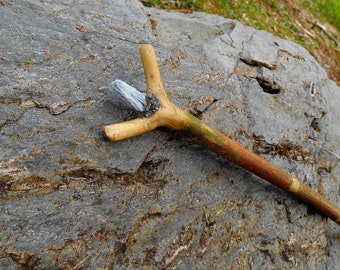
{"points": [[171, 116]]}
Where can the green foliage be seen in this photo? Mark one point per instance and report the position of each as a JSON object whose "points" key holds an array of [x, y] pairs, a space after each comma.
{"points": [[257, 13], [291, 20], [330, 10]]}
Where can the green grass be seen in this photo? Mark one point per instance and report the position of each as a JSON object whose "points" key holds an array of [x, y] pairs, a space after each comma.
{"points": [[292, 20], [328, 9], [257, 13], [175, 4]]}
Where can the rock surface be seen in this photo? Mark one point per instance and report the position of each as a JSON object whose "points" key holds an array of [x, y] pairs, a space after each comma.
{"points": [[70, 199]]}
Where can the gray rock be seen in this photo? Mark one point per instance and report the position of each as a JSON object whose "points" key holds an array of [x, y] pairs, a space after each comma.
{"points": [[70, 199]]}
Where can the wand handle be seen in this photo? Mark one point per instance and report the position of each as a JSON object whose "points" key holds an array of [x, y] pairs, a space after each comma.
{"points": [[241, 156]]}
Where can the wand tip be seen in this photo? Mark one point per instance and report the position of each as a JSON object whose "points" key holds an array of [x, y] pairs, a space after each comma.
{"points": [[145, 104]]}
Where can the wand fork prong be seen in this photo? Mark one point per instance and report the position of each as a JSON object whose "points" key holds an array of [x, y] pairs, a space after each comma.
{"points": [[168, 114], [173, 117]]}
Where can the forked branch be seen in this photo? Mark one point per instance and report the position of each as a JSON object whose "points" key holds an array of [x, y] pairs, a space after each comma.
{"points": [[171, 116]]}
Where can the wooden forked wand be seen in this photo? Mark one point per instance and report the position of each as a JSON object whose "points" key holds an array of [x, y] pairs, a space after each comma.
{"points": [[171, 116]]}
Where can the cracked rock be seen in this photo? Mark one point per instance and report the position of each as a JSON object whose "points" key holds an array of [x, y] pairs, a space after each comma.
{"points": [[71, 199], [59, 107]]}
